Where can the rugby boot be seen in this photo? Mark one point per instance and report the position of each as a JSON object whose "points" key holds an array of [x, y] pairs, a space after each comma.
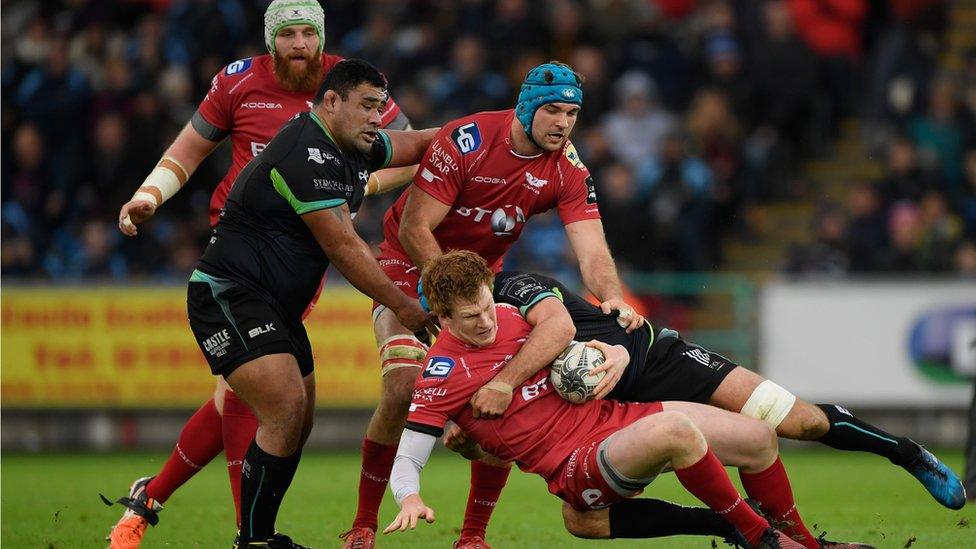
{"points": [[141, 511], [358, 538], [827, 544], [774, 539], [471, 542], [937, 478]]}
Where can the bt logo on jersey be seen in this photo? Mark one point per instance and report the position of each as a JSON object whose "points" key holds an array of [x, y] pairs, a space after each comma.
{"points": [[503, 220]]}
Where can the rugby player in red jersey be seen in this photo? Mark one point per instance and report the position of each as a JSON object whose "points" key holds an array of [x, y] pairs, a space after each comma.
{"points": [[594, 455], [482, 178], [248, 101]]}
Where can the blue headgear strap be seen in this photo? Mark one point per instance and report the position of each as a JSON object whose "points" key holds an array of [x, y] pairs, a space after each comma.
{"points": [[547, 83]]}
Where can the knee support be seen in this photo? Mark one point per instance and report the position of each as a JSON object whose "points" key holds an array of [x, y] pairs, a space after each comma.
{"points": [[770, 403], [402, 351]]}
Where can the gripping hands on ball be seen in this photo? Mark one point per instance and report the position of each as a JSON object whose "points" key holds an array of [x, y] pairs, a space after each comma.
{"points": [[616, 359], [412, 509]]}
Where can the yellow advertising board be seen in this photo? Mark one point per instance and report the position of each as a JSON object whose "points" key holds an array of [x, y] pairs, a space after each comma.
{"points": [[132, 348]]}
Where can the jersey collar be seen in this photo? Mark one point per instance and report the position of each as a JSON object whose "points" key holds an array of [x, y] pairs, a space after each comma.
{"points": [[324, 128]]}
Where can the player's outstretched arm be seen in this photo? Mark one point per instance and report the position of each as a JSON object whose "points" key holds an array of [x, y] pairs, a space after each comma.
{"points": [[390, 179], [412, 454], [422, 213], [599, 271], [334, 232], [409, 146], [552, 331], [177, 164]]}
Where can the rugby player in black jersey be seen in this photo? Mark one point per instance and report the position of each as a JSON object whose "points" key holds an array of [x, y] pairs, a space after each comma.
{"points": [[287, 218]]}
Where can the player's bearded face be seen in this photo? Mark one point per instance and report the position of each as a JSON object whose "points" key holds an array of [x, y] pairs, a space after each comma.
{"points": [[474, 322], [553, 123], [358, 116], [297, 61]]}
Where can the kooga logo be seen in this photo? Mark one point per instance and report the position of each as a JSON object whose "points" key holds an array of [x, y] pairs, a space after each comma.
{"points": [[260, 105]]}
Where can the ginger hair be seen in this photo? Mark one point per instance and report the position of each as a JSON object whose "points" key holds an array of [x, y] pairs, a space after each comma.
{"points": [[458, 274]]}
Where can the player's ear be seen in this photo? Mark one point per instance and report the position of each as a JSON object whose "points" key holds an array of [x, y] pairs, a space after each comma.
{"points": [[330, 100]]}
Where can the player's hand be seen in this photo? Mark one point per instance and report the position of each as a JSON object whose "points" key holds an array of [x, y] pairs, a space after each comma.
{"points": [[628, 317], [132, 213], [413, 317], [490, 403], [412, 509], [616, 359], [457, 440]]}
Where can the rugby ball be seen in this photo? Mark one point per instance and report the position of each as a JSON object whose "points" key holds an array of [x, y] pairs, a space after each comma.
{"points": [[570, 372]]}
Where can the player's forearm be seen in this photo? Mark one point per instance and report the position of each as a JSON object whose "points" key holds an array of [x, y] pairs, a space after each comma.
{"points": [[177, 164], [546, 340], [412, 455], [353, 258], [600, 275], [389, 179], [419, 243]]}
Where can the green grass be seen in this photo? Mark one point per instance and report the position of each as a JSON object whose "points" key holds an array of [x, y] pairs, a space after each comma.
{"points": [[52, 502]]}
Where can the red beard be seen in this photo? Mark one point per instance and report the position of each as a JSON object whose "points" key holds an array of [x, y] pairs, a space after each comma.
{"points": [[298, 80]]}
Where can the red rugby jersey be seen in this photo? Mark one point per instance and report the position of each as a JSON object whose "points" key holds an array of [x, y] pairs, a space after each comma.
{"points": [[492, 191], [539, 430], [247, 102]]}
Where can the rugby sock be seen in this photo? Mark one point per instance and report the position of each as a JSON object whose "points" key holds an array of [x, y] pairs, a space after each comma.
{"points": [[375, 474], [264, 480], [707, 481], [199, 443], [771, 488], [849, 433], [653, 518], [239, 427], [487, 482]]}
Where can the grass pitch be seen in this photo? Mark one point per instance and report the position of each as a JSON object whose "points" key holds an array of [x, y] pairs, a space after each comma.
{"points": [[52, 502]]}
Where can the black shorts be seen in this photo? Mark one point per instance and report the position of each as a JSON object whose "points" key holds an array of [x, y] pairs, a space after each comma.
{"points": [[234, 325], [676, 370]]}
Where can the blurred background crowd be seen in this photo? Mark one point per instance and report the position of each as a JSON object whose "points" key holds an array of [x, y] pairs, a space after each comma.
{"points": [[698, 115]]}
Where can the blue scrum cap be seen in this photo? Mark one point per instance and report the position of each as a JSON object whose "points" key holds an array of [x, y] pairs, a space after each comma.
{"points": [[547, 83]]}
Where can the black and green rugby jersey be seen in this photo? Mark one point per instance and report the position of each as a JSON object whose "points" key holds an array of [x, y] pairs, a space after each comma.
{"points": [[260, 241], [524, 290]]}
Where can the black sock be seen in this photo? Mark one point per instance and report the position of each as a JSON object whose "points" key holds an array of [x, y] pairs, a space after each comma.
{"points": [[849, 433], [264, 480], [653, 518]]}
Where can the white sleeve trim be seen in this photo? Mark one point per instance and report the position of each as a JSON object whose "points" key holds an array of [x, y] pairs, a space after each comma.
{"points": [[411, 456]]}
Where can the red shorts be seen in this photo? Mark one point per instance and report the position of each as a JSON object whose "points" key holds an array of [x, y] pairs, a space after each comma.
{"points": [[403, 274], [581, 480]]}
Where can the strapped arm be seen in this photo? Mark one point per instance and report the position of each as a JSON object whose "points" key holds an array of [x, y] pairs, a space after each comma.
{"points": [[411, 456]]}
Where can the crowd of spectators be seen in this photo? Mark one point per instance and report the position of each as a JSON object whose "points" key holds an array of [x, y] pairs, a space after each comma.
{"points": [[920, 215], [694, 110]]}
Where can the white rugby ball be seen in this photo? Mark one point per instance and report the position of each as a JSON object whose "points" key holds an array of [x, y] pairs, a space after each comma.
{"points": [[570, 372]]}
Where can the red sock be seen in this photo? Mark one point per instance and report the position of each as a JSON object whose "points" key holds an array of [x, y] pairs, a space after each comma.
{"points": [[377, 463], [708, 481], [240, 425], [772, 488], [199, 443], [487, 482]]}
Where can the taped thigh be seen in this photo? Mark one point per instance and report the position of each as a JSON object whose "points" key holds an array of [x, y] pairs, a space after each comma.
{"points": [[770, 403], [402, 351]]}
